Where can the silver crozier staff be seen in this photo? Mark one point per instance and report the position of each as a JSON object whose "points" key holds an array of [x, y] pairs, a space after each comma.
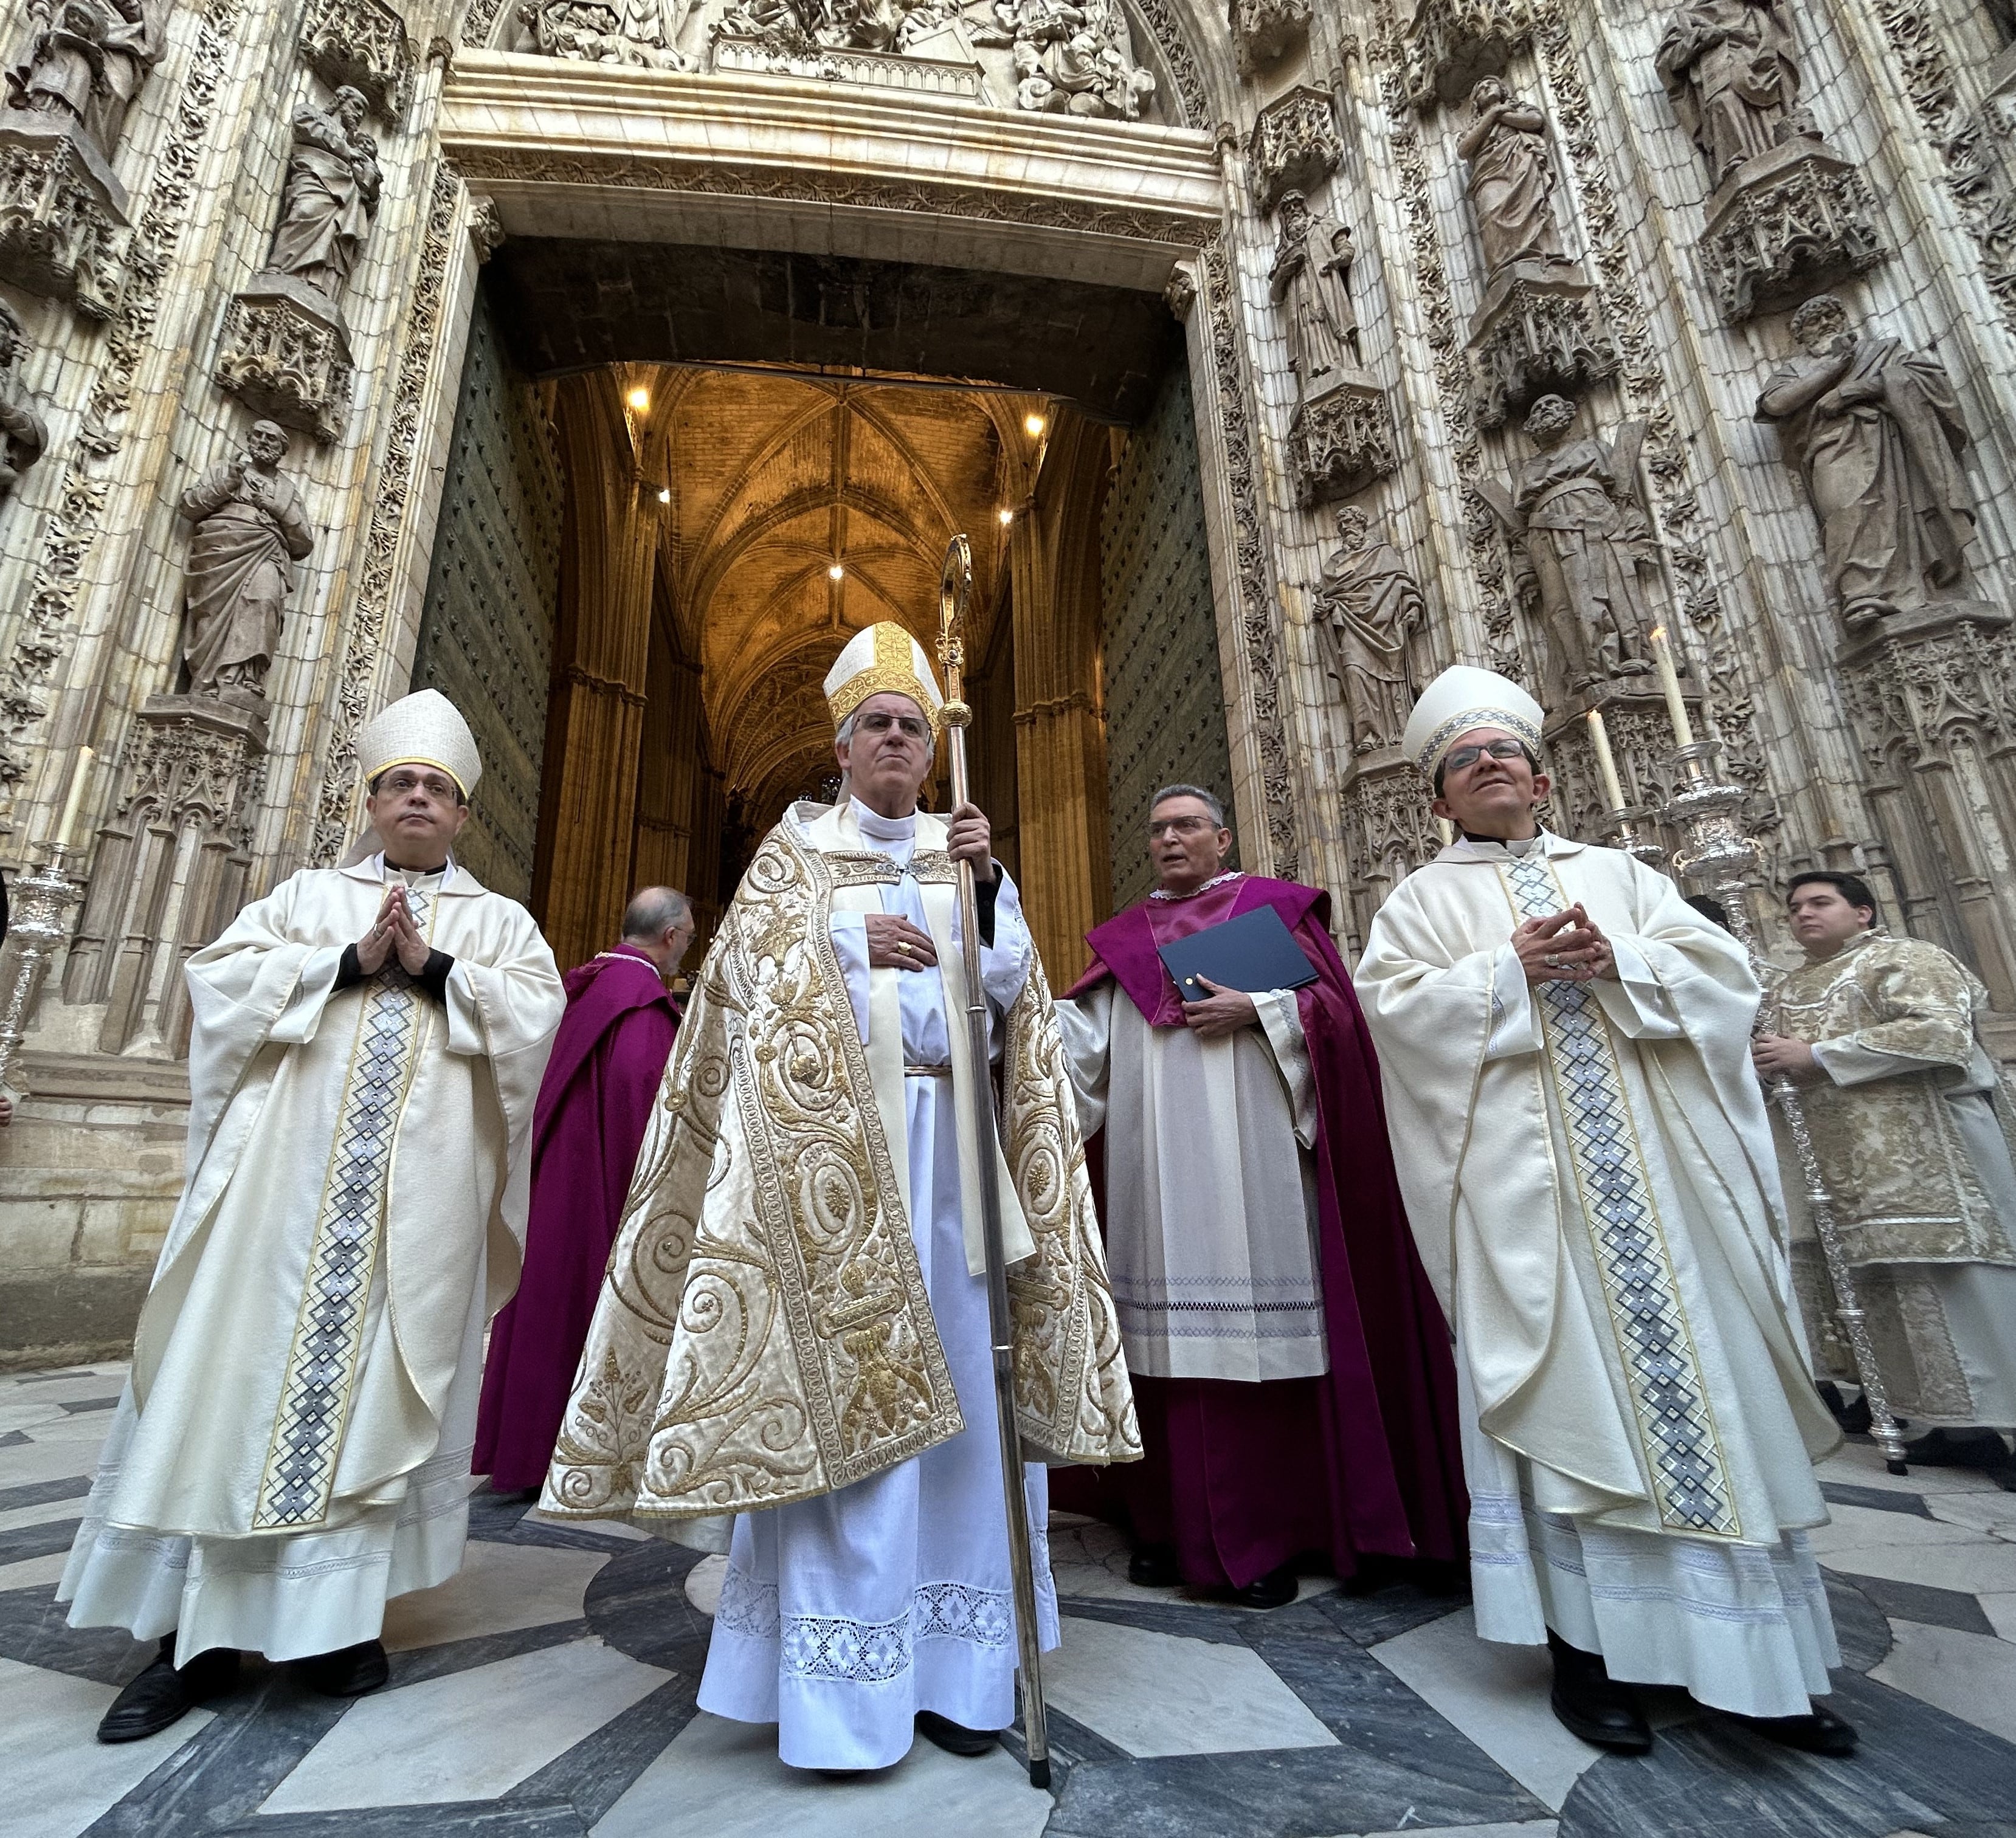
{"points": [[955, 591]]}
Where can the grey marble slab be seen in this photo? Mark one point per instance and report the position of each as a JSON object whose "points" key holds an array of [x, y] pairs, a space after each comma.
{"points": [[472, 1818], [592, 1775], [37, 1541], [1372, 1616], [423, 1662], [1876, 1499], [77, 1407], [15, 1439], [40, 1493], [1926, 1602], [1189, 1620], [1858, 1624], [69, 1372], [34, 1629], [1916, 1767], [638, 1603]]}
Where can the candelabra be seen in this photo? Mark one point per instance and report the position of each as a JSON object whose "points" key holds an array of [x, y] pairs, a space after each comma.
{"points": [[1722, 854], [39, 904], [1620, 830]]}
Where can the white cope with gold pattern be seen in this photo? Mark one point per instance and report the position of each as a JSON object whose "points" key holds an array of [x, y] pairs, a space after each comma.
{"points": [[293, 1448], [1912, 1125], [1589, 1170]]}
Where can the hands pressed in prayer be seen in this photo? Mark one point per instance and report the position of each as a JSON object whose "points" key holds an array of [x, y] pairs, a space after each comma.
{"points": [[1778, 1055], [1224, 1011], [894, 944], [970, 838], [1564, 948], [393, 932]]}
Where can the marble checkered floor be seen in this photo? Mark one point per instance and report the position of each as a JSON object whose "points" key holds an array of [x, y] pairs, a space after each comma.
{"points": [[548, 1693]]}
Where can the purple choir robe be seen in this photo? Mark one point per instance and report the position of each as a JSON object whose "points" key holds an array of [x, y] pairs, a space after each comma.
{"points": [[607, 1060], [1363, 1462]]}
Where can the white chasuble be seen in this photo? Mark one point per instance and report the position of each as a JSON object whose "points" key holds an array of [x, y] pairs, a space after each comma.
{"points": [[1590, 1171], [294, 1445], [842, 1616]]}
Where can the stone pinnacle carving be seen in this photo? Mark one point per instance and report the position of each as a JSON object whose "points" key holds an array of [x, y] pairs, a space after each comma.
{"points": [[1295, 146]]}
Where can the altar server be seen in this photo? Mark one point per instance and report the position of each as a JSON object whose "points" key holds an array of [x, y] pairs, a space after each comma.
{"points": [[1589, 1166], [293, 1447], [793, 1327]]}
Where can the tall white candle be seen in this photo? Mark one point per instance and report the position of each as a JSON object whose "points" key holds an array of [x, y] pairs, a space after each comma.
{"points": [[1606, 762], [78, 779], [1670, 681]]}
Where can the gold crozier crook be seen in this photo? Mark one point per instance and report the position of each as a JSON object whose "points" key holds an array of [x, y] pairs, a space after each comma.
{"points": [[955, 593]]}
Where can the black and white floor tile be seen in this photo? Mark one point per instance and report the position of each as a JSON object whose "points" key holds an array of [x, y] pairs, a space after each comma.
{"points": [[548, 1693]]}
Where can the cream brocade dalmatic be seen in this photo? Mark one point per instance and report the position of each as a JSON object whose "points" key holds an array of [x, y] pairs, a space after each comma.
{"points": [[1589, 1172], [1913, 1129], [293, 1444], [764, 1334]]}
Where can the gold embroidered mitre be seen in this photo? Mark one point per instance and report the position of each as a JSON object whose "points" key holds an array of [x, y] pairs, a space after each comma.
{"points": [[1464, 697], [882, 657], [423, 729]]}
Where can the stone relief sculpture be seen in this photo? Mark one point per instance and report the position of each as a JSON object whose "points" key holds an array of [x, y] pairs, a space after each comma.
{"points": [[636, 32], [1579, 535], [1878, 433], [1731, 68], [23, 433], [1310, 280], [1511, 180], [330, 195], [1370, 600], [250, 533], [1069, 59], [86, 61]]}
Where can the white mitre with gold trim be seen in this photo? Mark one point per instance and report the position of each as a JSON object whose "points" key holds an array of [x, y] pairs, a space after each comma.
{"points": [[1464, 697], [882, 656], [423, 729]]}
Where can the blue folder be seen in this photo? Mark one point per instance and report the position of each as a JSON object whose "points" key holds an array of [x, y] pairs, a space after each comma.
{"points": [[1254, 951]]}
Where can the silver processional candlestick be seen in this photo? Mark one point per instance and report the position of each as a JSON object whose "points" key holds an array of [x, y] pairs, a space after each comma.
{"points": [[955, 593], [39, 903]]}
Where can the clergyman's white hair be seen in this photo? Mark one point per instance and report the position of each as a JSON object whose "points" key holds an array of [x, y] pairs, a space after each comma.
{"points": [[1208, 800]]}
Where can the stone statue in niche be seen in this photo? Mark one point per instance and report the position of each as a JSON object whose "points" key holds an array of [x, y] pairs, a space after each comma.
{"points": [[86, 61], [1511, 180], [1579, 536], [1069, 59], [250, 533], [330, 196], [1878, 433], [1369, 598], [23, 433], [1730, 67], [636, 32], [1311, 281]]}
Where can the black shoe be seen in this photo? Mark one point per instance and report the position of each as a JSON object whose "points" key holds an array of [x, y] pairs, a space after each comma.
{"points": [[1154, 1566], [1277, 1589], [1819, 1732], [1958, 1448], [349, 1672], [1589, 1704], [840, 1774], [954, 1738], [166, 1693]]}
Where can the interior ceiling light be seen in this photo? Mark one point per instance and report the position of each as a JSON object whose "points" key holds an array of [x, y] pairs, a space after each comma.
{"points": [[1007, 516], [1035, 424], [664, 494], [835, 572], [638, 399]]}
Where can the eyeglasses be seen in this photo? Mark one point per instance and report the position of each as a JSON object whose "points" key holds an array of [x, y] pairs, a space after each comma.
{"points": [[1464, 757], [1179, 826], [909, 726], [400, 784]]}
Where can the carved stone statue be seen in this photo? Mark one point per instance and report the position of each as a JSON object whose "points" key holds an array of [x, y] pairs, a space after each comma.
{"points": [[1579, 535], [1511, 180], [1878, 433], [250, 532], [1369, 598], [636, 32], [1311, 281], [330, 196], [1070, 59], [23, 433], [87, 61], [1729, 68]]}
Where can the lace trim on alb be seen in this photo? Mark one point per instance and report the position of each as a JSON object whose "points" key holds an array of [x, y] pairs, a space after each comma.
{"points": [[853, 1652], [1217, 880]]}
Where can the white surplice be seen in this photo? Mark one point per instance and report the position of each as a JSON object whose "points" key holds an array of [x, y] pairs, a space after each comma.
{"points": [[1589, 1170], [841, 1617], [1210, 1203], [293, 1447]]}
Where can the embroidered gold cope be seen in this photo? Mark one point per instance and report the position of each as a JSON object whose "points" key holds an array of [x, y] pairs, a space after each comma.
{"points": [[764, 1334]]}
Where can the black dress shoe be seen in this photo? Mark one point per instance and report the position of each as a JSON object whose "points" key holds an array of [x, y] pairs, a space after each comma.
{"points": [[1154, 1566], [954, 1738], [1958, 1448], [166, 1693], [1277, 1589], [1589, 1704], [1819, 1732], [349, 1672]]}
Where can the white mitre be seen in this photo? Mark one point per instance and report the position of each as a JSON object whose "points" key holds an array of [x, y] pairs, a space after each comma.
{"points": [[423, 729], [1464, 697], [882, 657]]}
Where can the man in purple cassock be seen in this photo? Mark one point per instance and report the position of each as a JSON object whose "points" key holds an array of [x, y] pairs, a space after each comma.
{"points": [[607, 1060], [1291, 1365]]}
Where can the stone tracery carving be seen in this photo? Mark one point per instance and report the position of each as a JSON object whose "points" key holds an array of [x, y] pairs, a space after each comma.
{"points": [[330, 196], [361, 45], [1295, 145], [1579, 535], [637, 32], [1069, 59], [1878, 434], [285, 353], [1369, 599], [23, 433], [250, 532], [1263, 30], [1449, 44]]}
